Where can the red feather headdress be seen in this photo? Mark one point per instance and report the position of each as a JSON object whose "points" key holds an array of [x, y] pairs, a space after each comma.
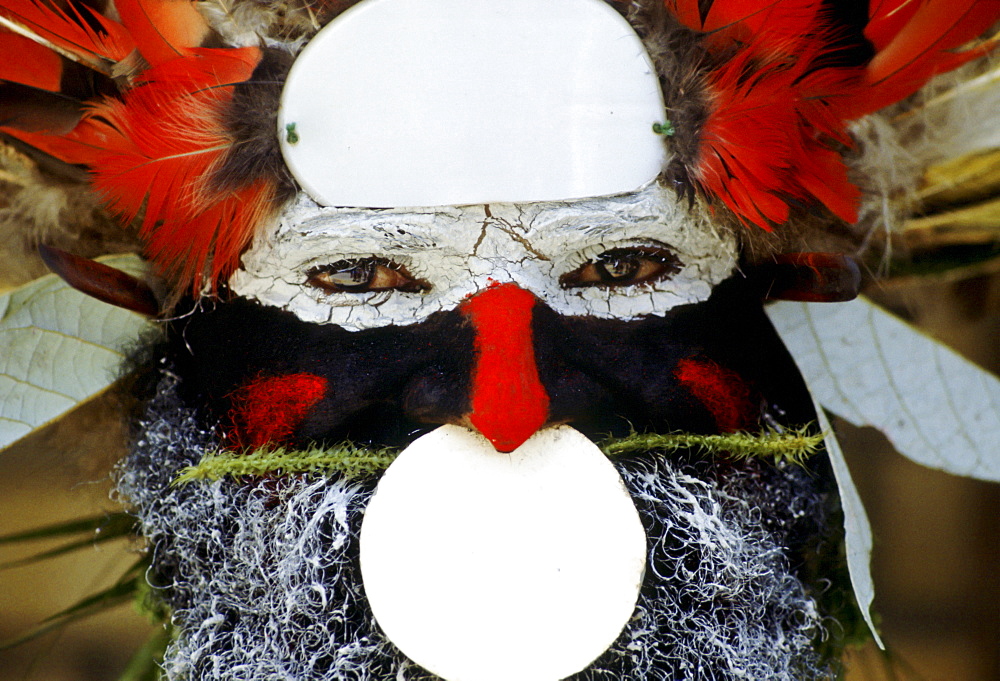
{"points": [[779, 100], [156, 148], [759, 94]]}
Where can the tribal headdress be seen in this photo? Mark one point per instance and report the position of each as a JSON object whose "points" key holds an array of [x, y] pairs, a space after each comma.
{"points": [[463, 367], [758, 98]]}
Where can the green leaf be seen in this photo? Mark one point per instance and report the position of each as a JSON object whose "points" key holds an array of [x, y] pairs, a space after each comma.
{"points": [[101, 529], [60, 348], [105, 523]]}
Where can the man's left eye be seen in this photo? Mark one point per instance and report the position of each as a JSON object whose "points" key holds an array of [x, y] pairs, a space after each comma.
{"points": [[624, 267], [362, 275]]}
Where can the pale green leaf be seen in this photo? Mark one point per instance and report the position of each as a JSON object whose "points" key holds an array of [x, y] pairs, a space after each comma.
{"points": [[58, 348], [870, 368]]}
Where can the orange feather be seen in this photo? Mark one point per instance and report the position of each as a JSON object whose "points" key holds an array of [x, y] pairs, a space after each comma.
{"points": [[72, 31], [766, 140], [172, 126], [163, 29], [29, 63], [83, 145]]}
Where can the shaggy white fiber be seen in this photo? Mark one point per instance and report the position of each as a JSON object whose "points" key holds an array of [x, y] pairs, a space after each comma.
{"points": [[264, 584]]}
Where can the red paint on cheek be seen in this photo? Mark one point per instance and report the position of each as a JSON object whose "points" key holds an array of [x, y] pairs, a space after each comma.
{"points": [[509, 402], [268, 410], [722, 391]]}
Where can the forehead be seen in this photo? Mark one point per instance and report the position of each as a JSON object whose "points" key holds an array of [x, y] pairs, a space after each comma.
{"points": [[650, 210]]}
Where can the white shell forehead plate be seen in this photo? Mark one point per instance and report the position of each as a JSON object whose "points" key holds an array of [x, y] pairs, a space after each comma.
{"points": [[460, 251], [450, 102]]}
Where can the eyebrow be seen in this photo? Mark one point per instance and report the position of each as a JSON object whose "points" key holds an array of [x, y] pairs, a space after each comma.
{"points": [[607, 222], [398, 231]]}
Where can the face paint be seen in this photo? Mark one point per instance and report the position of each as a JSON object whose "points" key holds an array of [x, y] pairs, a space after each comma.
{"points": [[697, 355], [620, 257]]}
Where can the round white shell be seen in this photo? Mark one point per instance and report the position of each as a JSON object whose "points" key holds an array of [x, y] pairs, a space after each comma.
{"points": [[482, 566], [451, 102]]}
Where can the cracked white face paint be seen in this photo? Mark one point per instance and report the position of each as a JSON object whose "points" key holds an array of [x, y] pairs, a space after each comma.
{"points": [[451, 253]]}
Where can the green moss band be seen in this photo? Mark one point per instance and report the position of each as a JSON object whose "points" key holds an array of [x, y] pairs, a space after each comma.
{"points": [[793, 446], [352, 461]]}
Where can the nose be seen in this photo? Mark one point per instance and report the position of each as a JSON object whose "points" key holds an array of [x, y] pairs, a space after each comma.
{"points": [[508, 401]]}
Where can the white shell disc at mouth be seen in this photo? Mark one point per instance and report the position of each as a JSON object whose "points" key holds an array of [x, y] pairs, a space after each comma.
{"points": [[483, 566]]}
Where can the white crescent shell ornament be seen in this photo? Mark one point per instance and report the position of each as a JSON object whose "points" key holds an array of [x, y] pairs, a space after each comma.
{"points": [[482, 566], [452, 102]]}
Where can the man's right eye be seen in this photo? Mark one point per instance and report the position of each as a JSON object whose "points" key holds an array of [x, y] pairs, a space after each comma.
{"points": [[362, 275]]}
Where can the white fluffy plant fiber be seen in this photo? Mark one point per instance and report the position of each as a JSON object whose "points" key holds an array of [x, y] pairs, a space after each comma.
{"points": [[955, 115], [263, 581]]}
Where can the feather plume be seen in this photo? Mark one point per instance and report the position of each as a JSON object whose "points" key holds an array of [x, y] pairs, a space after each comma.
{"points": [[77, 32], [163, 29], [171, 138], [779, 97], [156, 149]]}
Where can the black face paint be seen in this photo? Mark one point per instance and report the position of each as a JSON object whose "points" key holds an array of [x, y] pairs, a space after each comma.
{"points": [[602, 376]]}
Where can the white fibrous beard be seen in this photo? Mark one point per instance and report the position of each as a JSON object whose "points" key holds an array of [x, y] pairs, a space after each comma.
{"points": [[263, 581]]}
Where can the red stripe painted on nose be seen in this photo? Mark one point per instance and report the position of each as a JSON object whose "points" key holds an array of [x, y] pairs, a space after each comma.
{"points": [[509, 402]]}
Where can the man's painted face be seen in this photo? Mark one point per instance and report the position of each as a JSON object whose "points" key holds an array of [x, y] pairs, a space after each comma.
{"points": [[378, 326], [493, 343]]}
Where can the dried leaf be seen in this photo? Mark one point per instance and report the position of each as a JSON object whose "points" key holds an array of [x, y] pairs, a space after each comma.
{"points": [[857, 529], [59, 348], [870, 368]]}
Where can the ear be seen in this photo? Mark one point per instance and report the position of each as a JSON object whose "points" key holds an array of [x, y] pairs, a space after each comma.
{"points": [[100, 281], [809, 277]]}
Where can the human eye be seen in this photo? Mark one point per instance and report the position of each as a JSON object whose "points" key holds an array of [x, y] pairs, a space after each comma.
{"points": [[626, 266], [362, 275]]}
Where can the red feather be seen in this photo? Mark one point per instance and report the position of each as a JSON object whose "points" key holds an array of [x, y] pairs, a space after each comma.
{"points": [[163, 29], [87, 142], [766, 140], [919, 49], [173, 139], [154, 150], [72, 31], [777, 116], [29, 63]]}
